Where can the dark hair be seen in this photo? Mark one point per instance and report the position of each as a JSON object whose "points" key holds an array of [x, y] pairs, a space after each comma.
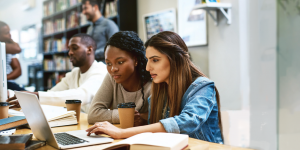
{"points": [[182, 74], [87, 40], [93, 2], [2, 24], [129, 41]]}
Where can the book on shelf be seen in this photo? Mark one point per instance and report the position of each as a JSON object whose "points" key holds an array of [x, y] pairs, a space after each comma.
{"points": [[12, 122], [56, 116], [48, 8], [59, 63], [111, 9], [155, 141], [60, 5], [72, 21], [55, 45], [52, 27], [15, 142], [83, 19], [57, 6], [49, 64], [59, 25], [48, 27], [73, 2], [51, 81]]}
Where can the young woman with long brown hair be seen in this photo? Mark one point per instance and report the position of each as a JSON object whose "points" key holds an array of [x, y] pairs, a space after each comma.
{"points": [[183, 99]]}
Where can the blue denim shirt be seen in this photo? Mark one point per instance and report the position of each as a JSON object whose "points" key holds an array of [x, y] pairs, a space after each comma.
{"points": [[199, 113]]}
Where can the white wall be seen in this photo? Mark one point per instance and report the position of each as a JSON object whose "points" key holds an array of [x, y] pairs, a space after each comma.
{"points": [[242, 62], [199, 54], [11, 12], [288, 74], [262, 44]]}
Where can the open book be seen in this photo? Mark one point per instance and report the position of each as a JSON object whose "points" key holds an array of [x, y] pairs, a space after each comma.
{"points": [[153, 141], [56, 116]]}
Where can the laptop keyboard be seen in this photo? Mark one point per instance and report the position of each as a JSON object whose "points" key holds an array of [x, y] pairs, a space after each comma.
{"points": [[68, 139]]}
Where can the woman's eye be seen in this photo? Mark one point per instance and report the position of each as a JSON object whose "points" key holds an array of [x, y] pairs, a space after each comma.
{"points": [[155, 60], [74, 48], [108, 64], [120, 62]]}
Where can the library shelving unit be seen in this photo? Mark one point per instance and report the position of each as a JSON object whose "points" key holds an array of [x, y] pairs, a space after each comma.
{"points": [[63, 18]]}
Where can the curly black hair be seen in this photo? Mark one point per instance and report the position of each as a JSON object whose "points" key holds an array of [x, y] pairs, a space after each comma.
{"points": [[129, 41]]}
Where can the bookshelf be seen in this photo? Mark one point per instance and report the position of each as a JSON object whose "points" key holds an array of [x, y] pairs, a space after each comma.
{"points": [[62, 19]]}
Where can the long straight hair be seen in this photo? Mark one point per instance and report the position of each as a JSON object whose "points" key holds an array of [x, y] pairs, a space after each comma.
{"points": [[181, 76]]}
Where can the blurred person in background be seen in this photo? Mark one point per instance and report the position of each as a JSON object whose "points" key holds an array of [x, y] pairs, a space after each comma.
{"points": [[101, 29], [13, 67]]}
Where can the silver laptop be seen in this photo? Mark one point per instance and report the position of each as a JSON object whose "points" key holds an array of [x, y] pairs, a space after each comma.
{"points": [[41, 130]]}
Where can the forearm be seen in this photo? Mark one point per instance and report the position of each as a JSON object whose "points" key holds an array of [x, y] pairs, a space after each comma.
{"points": [[58, 98], [12, 48], [99, 113], [14, 74], [156, 127]]}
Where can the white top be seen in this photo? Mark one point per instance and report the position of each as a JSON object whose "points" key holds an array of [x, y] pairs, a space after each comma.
{"points": [[9, 69], [76, 86]]}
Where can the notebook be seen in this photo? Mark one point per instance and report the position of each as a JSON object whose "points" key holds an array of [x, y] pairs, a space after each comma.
{"points": [[7, 132], [12, 122], [16, 142], [56, 116], [155, 141]]}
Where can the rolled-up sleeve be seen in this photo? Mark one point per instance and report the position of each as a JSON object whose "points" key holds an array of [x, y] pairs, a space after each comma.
{"points": [[195, 112]]}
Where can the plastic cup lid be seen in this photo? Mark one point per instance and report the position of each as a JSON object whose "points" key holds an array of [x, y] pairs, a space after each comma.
{"points": [[4, 104], [126, 105], [73, 101]]}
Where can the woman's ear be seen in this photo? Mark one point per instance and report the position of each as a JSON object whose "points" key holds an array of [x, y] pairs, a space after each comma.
{"points": [[135, 61]]}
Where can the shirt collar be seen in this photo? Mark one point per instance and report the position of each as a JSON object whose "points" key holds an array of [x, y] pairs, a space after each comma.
{"points": [[99, 20]]}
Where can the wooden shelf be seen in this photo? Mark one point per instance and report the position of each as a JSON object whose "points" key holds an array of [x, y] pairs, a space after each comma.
{"points": [[214, 7]]}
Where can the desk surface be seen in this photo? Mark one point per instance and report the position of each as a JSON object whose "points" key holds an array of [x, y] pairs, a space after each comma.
{"points": [[83, 125]]}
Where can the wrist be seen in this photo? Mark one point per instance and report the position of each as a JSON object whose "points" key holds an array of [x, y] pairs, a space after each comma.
{"points": [[122, 133]]}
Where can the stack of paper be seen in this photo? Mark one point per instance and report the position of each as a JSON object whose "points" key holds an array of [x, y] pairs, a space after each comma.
{"points": [[56, 116]]}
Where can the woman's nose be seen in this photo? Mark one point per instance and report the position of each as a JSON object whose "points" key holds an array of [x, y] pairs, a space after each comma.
{"points": [[148, 66], [114, 69]]}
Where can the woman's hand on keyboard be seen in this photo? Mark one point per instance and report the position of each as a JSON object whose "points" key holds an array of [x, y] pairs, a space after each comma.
{"points": [[105, 128]]}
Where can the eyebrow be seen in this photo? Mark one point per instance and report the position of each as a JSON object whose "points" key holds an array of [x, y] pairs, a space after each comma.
{"points": [[153, 57], [116, 58], [73, 44]]}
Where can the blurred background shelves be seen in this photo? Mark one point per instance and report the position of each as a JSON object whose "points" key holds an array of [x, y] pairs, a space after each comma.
{"points": [[225, 9]]}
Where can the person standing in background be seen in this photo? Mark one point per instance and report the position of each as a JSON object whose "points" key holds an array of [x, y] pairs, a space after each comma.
{"points": [[13, 67], [101, 29]]}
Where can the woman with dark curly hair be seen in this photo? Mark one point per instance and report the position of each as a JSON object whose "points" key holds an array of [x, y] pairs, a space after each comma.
{"points": [[127, 81]]}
